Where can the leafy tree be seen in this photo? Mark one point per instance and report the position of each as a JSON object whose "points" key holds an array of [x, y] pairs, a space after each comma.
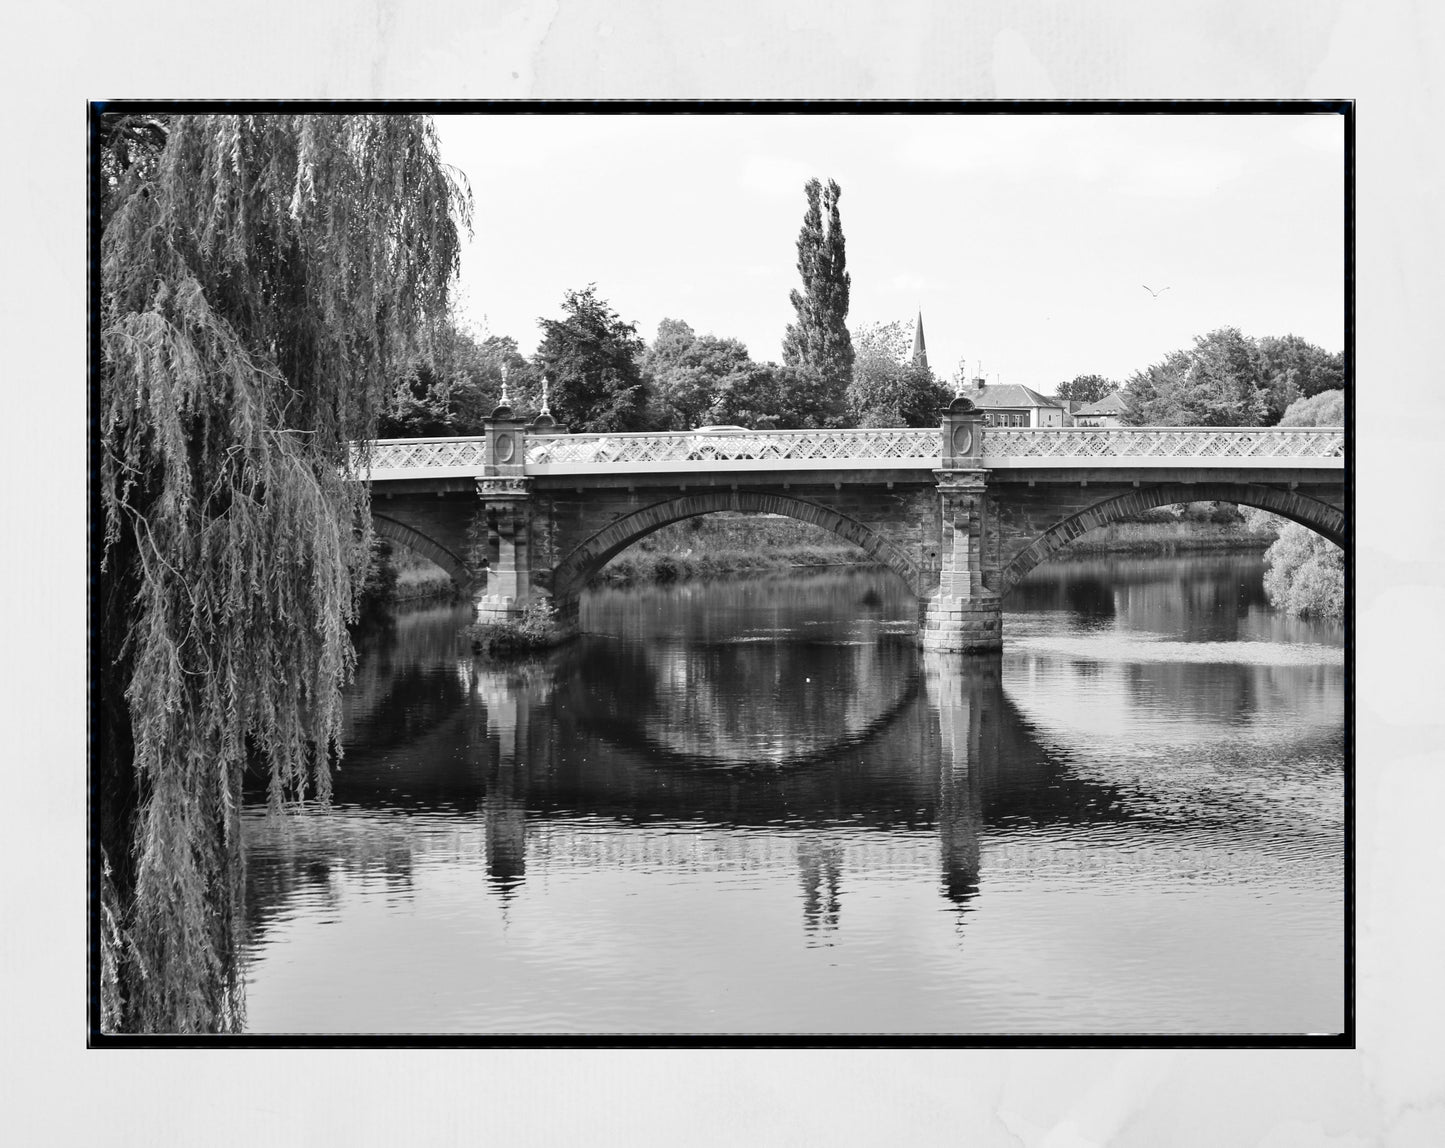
{"points": [[888, 390], [1143, 390], [593, 360], [263, 279], [891, 341], [455, 388], [1294, 368], [766, 396], [684, 372], [674, 337], [1326, 409], [1086, 388], [425, 398], [819, 342], [1217, 383], [498, 355]]}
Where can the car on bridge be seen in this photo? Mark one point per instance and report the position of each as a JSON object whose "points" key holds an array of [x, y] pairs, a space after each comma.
{"points": [[721, 441]]}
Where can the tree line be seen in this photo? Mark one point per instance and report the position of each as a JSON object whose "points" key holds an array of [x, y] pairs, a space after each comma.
{"points": [[1226, 378], [603, 377]]}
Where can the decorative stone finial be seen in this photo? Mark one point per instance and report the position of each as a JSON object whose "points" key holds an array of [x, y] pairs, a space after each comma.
{"points": [[504, 400], [545, 410]]}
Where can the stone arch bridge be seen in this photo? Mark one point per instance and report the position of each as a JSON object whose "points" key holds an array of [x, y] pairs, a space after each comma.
{"points": [[960, 513]]}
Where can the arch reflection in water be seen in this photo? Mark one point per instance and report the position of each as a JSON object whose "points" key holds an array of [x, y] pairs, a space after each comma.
{"points": [[748, 808]]}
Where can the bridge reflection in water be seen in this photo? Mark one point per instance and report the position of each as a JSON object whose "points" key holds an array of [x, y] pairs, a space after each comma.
{"points": [[840, 759], [776, 790]]}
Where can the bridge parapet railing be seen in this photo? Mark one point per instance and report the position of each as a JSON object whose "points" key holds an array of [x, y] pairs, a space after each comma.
{"points": [[1322, 447], [865, 448], [427, 457], [868, 449]]}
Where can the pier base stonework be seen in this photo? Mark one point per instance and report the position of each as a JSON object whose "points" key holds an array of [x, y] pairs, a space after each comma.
{"points": [[962, 625]]}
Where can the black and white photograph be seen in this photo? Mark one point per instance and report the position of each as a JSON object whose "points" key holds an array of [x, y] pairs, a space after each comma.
{"points": [[710, 572], [770, 573]]}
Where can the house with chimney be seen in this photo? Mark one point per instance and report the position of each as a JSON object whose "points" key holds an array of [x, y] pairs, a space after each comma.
{"points": [[1015, 405]]}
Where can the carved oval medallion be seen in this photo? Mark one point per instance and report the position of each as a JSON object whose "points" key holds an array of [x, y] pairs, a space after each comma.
{"points": [[962, 438], [505, 448]]}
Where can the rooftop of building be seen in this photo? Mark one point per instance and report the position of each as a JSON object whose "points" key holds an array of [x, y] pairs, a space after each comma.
{"points": [[1007, 395], [1110, 404]]}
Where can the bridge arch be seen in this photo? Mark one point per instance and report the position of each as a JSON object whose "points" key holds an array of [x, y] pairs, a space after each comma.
{"points": [[416, 541], [588, 557], [1322, 518]]}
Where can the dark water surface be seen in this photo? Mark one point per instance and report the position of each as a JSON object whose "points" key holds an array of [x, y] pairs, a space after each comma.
{"points": [[756, 807]]}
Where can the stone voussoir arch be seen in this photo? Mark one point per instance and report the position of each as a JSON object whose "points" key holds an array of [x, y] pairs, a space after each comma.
{"points": [[1324, 519], [588, 557], [419, 543]]}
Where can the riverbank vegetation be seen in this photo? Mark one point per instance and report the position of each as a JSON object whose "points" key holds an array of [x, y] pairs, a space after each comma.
{"points": [[401, 575], [1305, 574], [536, 630], [726, 543], [1185, 529]]}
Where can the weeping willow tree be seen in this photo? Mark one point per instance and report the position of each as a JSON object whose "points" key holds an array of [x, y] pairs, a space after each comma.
{"points": [[263, 279]]}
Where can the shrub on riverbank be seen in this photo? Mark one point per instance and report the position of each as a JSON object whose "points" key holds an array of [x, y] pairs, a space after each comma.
{"points": [[1305, 574]]}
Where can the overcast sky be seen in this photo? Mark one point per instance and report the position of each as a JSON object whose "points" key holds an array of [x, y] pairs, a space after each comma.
{"points": [[1027, 240]]}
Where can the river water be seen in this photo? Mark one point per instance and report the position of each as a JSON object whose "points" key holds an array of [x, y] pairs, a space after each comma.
{"points": [[755, 807]]}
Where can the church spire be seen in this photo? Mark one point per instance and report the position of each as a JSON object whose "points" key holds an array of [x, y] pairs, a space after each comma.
{"points": [[920, 351]]}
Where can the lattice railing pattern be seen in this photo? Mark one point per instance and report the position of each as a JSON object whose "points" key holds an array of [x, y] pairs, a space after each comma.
{"points": [[826, 446], [687, 450], [428, 454], [1202, 443]]}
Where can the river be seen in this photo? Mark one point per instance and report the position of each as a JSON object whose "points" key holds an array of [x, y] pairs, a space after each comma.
{"points": [[755, 807]]}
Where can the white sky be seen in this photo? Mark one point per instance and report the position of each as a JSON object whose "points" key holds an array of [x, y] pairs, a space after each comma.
{"points": [[1026, 239]]}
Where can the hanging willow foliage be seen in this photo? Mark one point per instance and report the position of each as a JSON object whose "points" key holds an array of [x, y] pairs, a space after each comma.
{"points": [[263, 279]]}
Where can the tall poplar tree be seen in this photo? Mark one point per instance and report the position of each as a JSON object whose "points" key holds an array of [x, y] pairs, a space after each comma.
{"points": [[819, 341], [262, 279]]}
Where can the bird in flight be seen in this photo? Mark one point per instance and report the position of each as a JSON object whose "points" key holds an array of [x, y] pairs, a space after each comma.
{"points": [[1153, 292]]}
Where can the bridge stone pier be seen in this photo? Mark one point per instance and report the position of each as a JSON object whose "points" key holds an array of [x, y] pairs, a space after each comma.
{"points": [[960, 512]]}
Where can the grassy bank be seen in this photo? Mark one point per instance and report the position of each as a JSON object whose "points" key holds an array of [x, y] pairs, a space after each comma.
{"points": [[723, 543], [398, 575], [418, 578], [1164, 538], [728, 543]]}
